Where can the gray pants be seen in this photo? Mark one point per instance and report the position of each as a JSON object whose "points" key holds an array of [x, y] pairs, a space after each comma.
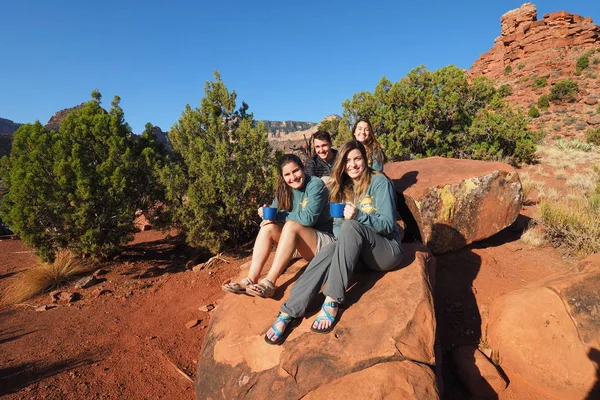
{"points": [[334, 264]]}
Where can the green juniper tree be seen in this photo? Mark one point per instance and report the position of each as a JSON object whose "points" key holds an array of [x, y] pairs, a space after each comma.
{"points": [[78, 188], [430, 113], [222, 173]]}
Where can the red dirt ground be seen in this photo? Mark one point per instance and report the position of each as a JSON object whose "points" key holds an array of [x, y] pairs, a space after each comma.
{"points": [[132, 342]]}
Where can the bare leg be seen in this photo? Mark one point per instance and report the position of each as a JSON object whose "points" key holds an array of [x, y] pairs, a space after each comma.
{"points": [[267, 235], [293, 236]]}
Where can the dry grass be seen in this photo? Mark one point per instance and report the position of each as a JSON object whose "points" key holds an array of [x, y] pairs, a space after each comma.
{"points": [[585, 182], [44, 277], [573, 223], [560, 174], [528, 184], [534, 235], [566, 158]]}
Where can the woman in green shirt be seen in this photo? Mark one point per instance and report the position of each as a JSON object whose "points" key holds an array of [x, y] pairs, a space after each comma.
{"points": [[302, 223]]}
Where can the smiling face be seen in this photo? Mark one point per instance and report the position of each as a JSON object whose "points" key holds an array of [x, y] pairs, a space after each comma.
{"points": [[323, 149], [293, 175], [355, 164], [362, 132]]}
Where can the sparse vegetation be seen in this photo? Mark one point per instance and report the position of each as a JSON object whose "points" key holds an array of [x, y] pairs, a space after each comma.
{"points": [[540, 82], [583, 62], [507, 70], [505, 90], [564, 91], [534, 235], [543, 102], [533, 112], [573, 224], [573, 145], [593, 136], [44, 277]]}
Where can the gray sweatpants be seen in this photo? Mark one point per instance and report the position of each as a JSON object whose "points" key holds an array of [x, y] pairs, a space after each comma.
{"points": [[334, 264]]}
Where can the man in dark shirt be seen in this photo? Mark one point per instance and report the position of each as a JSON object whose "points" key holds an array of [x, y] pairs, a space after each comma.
{"points": [[321, 162]]}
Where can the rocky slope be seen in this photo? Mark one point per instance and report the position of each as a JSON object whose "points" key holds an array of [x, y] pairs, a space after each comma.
{"points": [[531, 55]]}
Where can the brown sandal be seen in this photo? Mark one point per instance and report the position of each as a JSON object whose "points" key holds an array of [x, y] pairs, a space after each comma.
{"points": [[264, 289], [237, 288]]}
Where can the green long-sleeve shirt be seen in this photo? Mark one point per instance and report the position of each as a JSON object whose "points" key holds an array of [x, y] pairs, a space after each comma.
{"points": [[376, 209], [309, 206]]}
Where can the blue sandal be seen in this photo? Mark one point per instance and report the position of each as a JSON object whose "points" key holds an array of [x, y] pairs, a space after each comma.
{"points": [[288, 326], [326, 317]]}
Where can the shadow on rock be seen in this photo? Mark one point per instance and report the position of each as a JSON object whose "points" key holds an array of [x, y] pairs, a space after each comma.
{"points": [[594, 355]]}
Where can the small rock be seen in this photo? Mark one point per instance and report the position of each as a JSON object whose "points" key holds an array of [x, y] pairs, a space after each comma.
{"points": [[99, 292], [44, 307], [192, 323], [211, 273], [55, 296], [86, 282], [68, 297], [198, 267], [207, 308], [99, 272]]}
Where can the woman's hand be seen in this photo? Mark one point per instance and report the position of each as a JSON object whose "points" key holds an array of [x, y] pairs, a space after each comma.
{"points": [[350, 211], [260, 211]]}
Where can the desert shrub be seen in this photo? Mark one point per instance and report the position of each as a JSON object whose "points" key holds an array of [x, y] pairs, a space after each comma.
{"points": [[505, 90], [223, 171], [44, 276], [540, 82], [533, 112], [573, 224], [564, 91], [543, 102], [593, 136], [579, 126], [573, 145], [507, 70], [76, 189], [440, 113], [582, 63]]}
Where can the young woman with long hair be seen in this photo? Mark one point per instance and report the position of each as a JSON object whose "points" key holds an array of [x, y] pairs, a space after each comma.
{"points": [[368, 234], [363, 132], [302, 223]]}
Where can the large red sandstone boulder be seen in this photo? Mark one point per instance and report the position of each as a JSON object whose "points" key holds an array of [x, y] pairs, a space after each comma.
{"points": [[548, 334], [457, 202], [388, 329]]}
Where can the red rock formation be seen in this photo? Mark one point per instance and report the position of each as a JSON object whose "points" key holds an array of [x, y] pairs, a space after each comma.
{"points": [[536, 43], [529, 49]]}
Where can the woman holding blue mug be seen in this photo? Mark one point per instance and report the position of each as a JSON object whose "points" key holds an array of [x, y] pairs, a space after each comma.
{"points": [[301, 223], [367, 235]]}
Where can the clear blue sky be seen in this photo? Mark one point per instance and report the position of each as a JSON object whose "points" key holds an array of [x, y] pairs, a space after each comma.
{"points": [[287, 60]]}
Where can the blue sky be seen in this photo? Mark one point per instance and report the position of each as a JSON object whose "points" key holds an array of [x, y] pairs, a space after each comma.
{"points": [[287, 60]]}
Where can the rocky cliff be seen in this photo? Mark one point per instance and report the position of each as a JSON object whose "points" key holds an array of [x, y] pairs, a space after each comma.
{"points": [[531, 55]]}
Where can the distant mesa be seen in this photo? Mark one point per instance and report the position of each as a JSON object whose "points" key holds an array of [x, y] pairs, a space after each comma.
{"points": [[7, 126]]}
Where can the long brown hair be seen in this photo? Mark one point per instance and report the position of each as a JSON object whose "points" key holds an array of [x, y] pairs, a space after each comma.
{"points": [[283, 191], [342, 187], [374, 149]]}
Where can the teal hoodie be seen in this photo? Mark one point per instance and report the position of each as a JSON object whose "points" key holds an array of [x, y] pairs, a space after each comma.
{"points": [[309, 206], [376, 209]]}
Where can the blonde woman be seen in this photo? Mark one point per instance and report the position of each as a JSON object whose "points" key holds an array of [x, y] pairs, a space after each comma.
{"points": [[367, 235]]}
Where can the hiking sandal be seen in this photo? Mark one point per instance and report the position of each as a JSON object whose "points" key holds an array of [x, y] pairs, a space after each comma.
{"points": [[289, 323], [327, 317], [264, 289], [237, 288]]}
